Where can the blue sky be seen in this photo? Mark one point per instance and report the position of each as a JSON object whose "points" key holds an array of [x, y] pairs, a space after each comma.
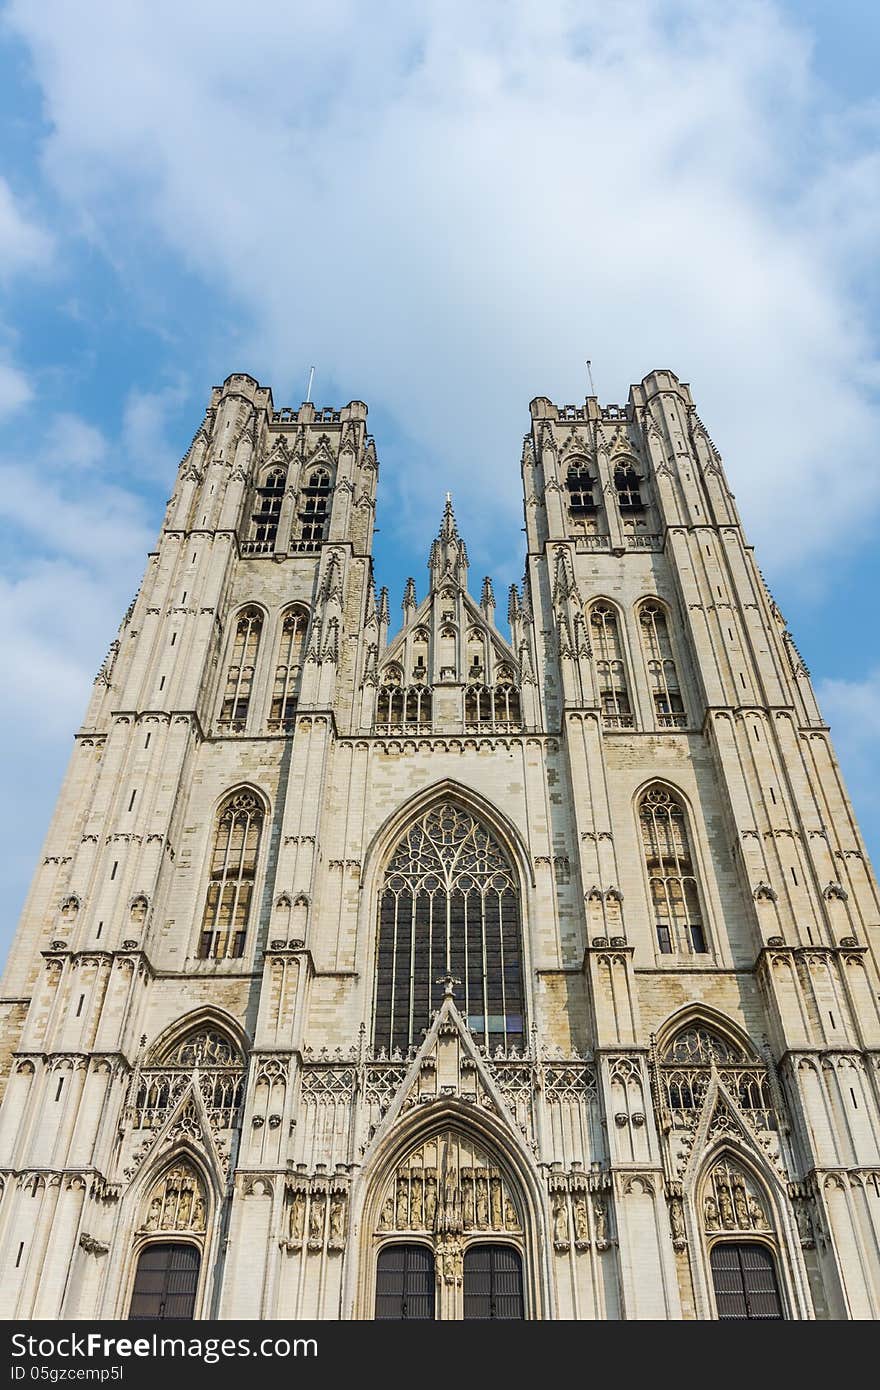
{"points": [[447, 213]]}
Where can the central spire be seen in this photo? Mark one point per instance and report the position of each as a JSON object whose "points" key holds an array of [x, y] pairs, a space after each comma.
{"points": [[448, 559]]}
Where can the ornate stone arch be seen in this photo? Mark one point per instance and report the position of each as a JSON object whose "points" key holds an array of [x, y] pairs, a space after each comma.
{"points": [[208, 1017], [177, 1197], [697, 1014], [731, 1195], [485, 1188]]}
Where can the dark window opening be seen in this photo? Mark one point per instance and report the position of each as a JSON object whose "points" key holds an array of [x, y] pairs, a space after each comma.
{"points": [[165, 1283], [405, 1283], [493, 1284], [744, 1276]]}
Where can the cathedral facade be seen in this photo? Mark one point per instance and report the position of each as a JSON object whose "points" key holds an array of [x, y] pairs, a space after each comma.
{"points": [[448, 973]]}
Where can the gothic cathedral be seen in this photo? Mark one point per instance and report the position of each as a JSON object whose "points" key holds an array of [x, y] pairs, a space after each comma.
{"points": [[454, 972]]}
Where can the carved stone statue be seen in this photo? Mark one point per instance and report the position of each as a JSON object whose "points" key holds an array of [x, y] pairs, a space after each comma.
{"points": [[497, 1215], [430, 1201], [560, 1221], [297, 1219], [601, 1221], [386, 1220], [710, 1207], [728, 1220], [316, 1221], [740, 1202], [198, 1218], [482, 1213], [402, 1203], [337, 1221], [676, 1221], [416, 1202], [511, 1220], [154, 1215], [581, 1222]]}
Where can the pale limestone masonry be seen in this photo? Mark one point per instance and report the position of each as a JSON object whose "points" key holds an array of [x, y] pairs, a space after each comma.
{"points": [[689, 1085]]}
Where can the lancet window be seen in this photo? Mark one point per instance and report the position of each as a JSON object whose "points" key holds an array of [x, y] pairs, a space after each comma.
{"points": [[233, 871], [629, 497], [610, 668], [240, 672], [662, 674], [288, 669], [580, 485], [675, 899]]}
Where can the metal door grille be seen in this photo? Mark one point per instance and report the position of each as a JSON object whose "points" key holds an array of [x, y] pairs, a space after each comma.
{"points": [[744, 1276], [405, 1283], [493, 1282], [165, 1283]]}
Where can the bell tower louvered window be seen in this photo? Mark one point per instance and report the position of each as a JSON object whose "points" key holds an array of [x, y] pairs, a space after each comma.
{"points": [[267, 510], [313, 510], [449, 905], [232, 875]]}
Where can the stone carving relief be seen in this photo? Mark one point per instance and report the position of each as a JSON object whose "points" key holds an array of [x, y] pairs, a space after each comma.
{"points": [[449, 1184], [177, 1202], [732, 1200]]}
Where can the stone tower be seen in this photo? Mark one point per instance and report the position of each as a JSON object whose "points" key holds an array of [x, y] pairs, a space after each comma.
{"points": [[447, 974]]}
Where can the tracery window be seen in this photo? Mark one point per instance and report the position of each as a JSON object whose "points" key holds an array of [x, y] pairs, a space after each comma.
{"points": [[610, 668], [492, 706], [449, 905], [288, 670], [579, 483], [232, 875], [662, 673], [313, 509], [685, 1069], [626, 481], [675, 900], [267, 509], [240, 672], [401, 707], [163, 1081]]}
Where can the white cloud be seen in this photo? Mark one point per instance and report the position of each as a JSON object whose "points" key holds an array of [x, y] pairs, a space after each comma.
{"points": [[23, 244], [451, 210], [144, 431], [15, 389]]}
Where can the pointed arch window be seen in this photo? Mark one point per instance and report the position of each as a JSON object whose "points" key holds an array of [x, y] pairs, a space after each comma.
{"points": [[240, 672], [288, 669], [267, 510], [669, 709], [449, 905], [313, 510], [627, 484], [675, 900], [492, 707], [580, 484], [232, 876], [686, 1065], [610, 667]]}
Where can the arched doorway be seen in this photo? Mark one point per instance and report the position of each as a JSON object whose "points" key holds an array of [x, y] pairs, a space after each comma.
{"points": [[166, 1281], [744, 1278], [405, 1283], [448, 1231], [493, 1282]]}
